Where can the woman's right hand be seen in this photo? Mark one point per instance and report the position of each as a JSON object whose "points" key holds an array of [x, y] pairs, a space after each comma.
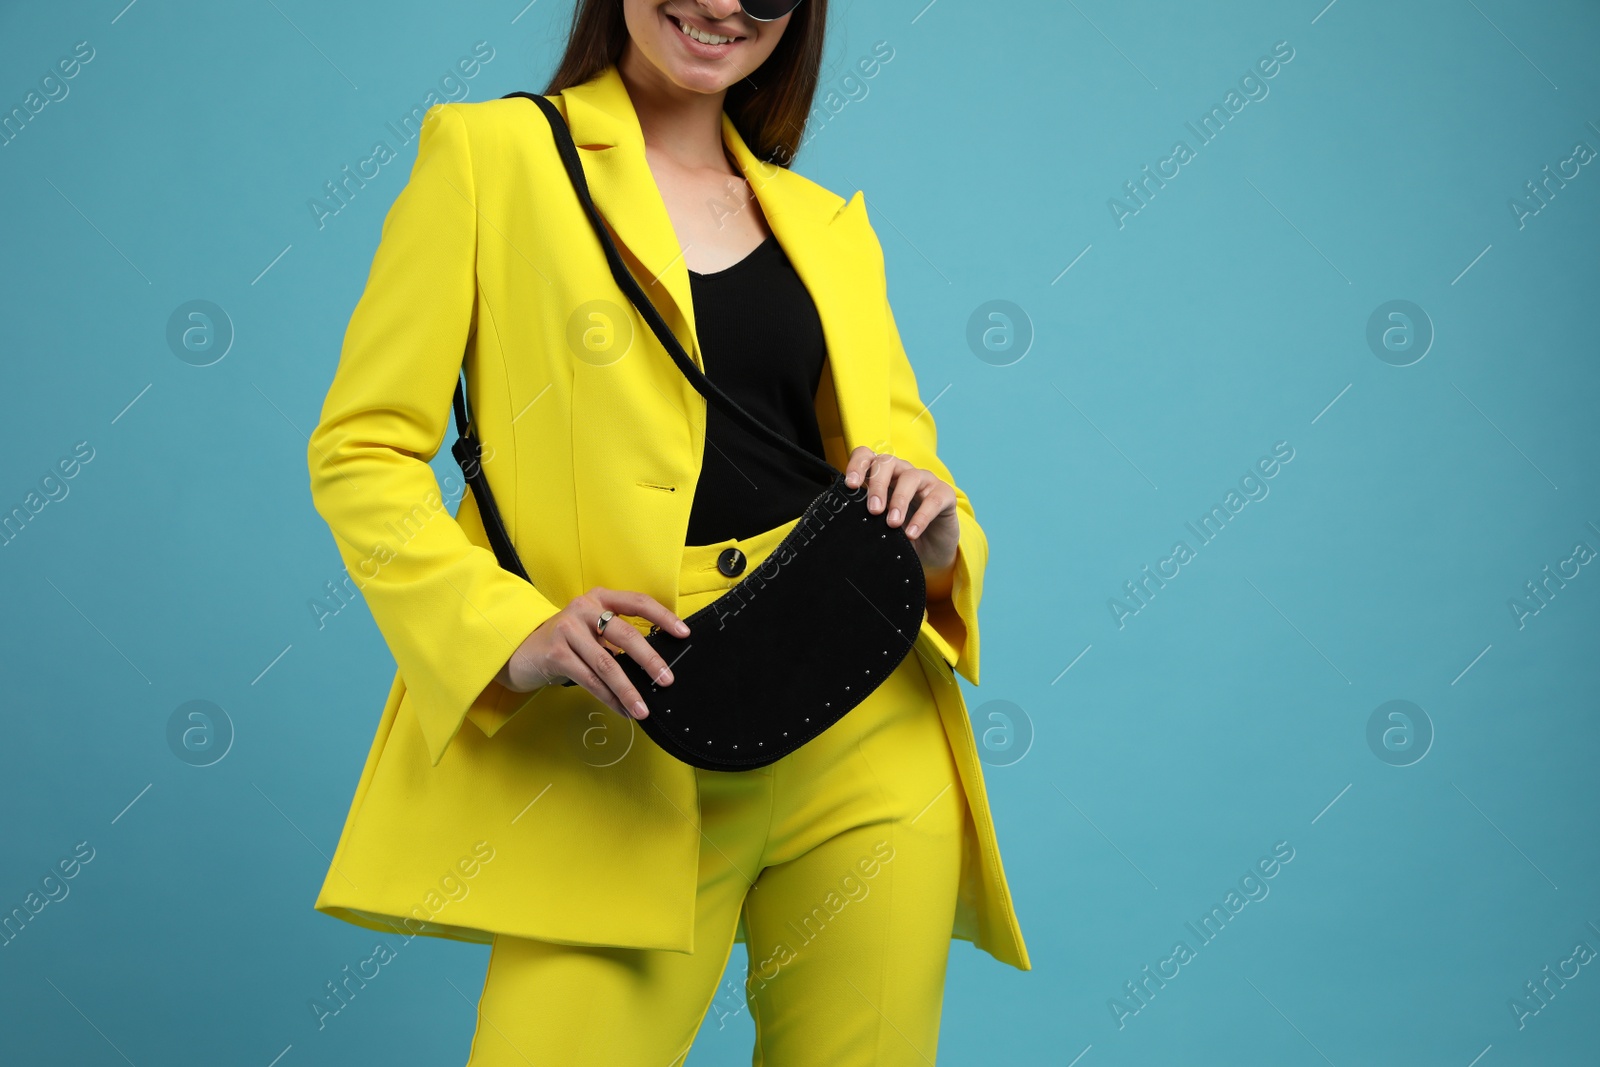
{"points": [[567, 646]]}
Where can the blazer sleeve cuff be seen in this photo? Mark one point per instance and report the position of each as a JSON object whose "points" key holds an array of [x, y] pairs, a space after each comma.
{"points": [[495, 707], [489, 627], [952, 625]]}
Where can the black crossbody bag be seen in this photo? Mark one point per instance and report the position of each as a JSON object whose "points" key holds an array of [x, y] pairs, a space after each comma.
{"points": [[799, 641]]}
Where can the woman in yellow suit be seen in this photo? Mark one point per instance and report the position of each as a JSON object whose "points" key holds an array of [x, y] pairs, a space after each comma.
{"points": [[611, 879]]}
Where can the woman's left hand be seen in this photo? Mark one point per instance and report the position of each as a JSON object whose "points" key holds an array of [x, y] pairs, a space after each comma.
{"points": [[916, 498]]}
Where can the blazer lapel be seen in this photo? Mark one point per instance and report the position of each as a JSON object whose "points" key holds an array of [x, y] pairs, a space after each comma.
{"points": [[831, 249], [611, 146], [828, 246]]}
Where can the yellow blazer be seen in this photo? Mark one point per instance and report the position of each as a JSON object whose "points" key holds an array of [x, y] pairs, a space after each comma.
{"points": [[591, 832]]}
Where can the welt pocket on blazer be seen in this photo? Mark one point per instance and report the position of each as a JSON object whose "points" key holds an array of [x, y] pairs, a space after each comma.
{"points": [[658, 485]]}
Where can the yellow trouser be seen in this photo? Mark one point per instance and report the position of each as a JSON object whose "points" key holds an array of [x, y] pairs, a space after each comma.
{"points": [[842, 861]]}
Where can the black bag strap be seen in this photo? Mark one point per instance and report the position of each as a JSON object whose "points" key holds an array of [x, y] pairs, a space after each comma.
{"points": [[468, 450], [469, 456]]}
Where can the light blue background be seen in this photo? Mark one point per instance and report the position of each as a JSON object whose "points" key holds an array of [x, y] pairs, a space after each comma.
{"points": [[1230, 714]]}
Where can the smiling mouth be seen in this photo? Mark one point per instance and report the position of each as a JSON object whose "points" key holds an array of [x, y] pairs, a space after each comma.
{"points": [[696, 34]]}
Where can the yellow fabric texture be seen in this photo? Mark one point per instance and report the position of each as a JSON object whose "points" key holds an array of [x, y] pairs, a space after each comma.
{"points": [[838, 866], [592, 460]]}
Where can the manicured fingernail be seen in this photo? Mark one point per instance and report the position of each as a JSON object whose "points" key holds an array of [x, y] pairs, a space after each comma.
{"points": [[665, 677], [875, 503], [911, 531], [639, 710], [894, 514], [683, 627]]}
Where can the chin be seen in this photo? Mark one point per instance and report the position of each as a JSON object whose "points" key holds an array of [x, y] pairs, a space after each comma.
{"points": [[700, 77], [698, 73]]}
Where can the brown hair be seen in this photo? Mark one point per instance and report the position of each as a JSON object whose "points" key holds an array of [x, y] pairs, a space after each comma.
{"points": [[770, 115]]}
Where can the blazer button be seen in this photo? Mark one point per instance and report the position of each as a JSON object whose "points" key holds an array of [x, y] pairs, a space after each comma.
{"points": [[731, 562]]}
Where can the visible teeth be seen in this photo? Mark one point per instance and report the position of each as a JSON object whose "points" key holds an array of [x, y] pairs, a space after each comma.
{"points": [[704, 38]]}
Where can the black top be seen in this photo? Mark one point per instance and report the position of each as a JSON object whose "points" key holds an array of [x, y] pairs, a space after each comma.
{"points": [[761, 342]]}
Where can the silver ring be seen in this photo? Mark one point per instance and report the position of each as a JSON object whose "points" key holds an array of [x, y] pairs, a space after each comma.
{"points": [[605, 617]]}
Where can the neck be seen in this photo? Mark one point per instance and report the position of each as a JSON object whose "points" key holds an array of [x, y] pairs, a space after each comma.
{"points": [[680, 123]]}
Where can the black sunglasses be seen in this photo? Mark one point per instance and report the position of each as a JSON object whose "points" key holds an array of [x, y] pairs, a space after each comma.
{"points": [[767, 10]]}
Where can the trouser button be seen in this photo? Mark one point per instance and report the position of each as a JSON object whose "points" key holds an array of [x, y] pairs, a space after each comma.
{"points": [[731, 562]]}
